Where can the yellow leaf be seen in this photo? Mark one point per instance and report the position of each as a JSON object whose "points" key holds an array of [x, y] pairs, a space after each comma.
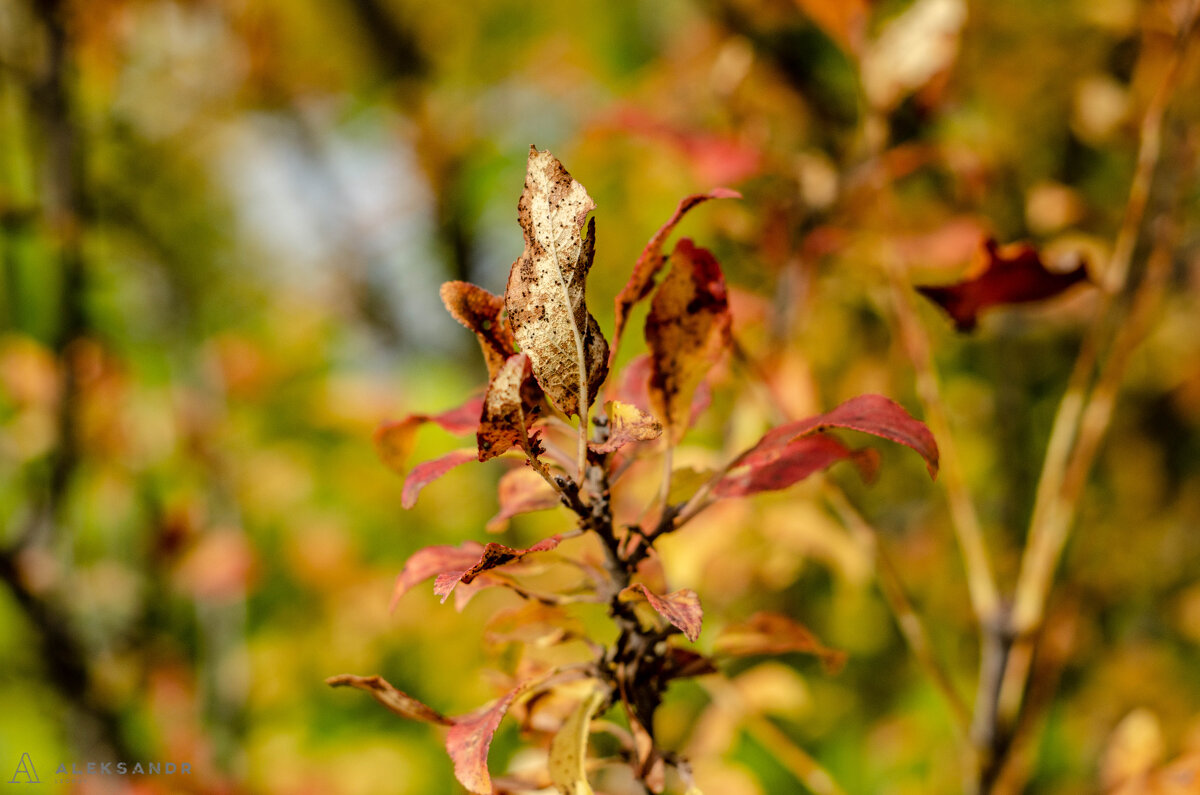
{"points": [[568, 749]]}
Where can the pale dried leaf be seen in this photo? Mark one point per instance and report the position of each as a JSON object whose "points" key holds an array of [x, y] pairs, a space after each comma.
{"points": [[545, 297], [626, 423], [507, 409]]}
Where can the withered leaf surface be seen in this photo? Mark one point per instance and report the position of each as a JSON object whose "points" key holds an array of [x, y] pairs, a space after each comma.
{"points": [[469, 739], [651, 260], [681, 608], [780, 467], [873, 414], [1011, 274], [687, 329], [508, 408], [480, 311], [626, 423], [774, 633], [492, 556], [521, 490], [424, 474], [547, 284], [397, 701]]}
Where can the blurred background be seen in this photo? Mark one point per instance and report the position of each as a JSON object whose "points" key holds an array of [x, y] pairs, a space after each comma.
{"points": [[223, 224]]}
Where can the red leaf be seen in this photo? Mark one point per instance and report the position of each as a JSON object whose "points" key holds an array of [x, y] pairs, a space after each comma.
{"points": [[424, 474], [687, 330], [873, 414], [773, 633], [394, 440], [427, 562], [681, 608], [1009, 275], [626, 423], [493, 556], [780, 467], [521, 490], [480, 311], [651, 260], [469, 739], [397, 701]]}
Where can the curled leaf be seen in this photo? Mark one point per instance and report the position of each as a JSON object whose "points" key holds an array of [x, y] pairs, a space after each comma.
{"points": [[568, 749], [430, 561], [779, 467], [397, 701], [394, 441], [873, 414], [687, 329], [545, 297], [651, 260], [1007, 275], [424, 474], [681, 608], [774, 633], [626, 423], [470, 738], [508, 407], [521, 490], [480, 312], [493, 556]]}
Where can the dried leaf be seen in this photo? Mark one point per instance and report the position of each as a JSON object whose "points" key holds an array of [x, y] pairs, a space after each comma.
{"points": [[547, 284], [480, 312], [873, 414], [521, 490], [508, 408], [397, 701], [425, 473], [568, 749], [685, 663], [687, 329], [651, 260], [774, 633], [681, 608], [394, 441], [492, 556], [626, 423], [430, 561], [1008, 275], [469, 739], [780, 467]]}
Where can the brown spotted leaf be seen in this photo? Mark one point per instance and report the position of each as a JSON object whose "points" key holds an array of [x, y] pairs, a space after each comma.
{"points": [[687, 330], [480, 312], [1011, 274], [681, 608], [397, 701], [651, 260], [545, 297], [873, 414], [626, 423], [508, 407], [469, 739], [431, 561], [493, 556], [424, 474], [394, 441], [774, 633], [780, 467], [521, 490]]}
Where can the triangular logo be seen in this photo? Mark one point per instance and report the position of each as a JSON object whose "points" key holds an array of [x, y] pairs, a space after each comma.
{"points": [[25, 768]]}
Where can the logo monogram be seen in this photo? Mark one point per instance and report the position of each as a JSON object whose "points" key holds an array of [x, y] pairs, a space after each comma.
{"points": [[25, 768]]}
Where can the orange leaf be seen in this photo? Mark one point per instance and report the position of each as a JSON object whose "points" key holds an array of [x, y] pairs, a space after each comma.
{"points": [[681, 608], [774, 633], [394, 441], [480, 311], [397, 701], [687, 330], [1009, 275]]}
